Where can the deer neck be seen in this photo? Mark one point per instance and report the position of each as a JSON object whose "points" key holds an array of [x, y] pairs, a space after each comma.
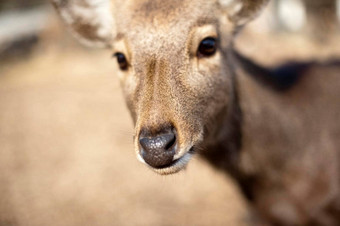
{"points": [[227, 152]]}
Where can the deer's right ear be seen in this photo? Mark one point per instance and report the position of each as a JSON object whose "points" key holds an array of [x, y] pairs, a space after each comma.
{"points": [[90, 20], [242, 11]]}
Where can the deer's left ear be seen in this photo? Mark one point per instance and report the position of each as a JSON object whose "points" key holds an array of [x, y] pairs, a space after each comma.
{"points": [[91, 21], [242, 11]]}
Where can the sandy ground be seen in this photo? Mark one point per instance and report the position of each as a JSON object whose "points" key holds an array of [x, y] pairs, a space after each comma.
{"points": [[66, 147]]}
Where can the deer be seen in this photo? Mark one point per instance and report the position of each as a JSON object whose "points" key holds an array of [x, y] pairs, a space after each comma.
{"points": [[190, 92]]}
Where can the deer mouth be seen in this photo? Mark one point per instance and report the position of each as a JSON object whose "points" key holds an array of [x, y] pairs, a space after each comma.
{"points": [[175, 166]]}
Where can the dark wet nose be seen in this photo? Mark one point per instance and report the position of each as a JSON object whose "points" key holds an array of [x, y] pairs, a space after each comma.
{"points": [[158, 151]]}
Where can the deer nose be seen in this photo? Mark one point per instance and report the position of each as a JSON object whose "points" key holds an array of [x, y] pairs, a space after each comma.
{"points": [[158, 151]]}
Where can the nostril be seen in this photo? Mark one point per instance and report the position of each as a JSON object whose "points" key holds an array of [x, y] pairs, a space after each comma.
{"points": [[171, 142]]}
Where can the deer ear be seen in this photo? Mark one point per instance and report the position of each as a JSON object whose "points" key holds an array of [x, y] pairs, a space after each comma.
{"points": [[242, 11], [90, 20]]}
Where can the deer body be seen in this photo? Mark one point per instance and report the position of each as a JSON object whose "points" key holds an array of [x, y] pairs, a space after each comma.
{"points": [[288, 159], [188, 92]]}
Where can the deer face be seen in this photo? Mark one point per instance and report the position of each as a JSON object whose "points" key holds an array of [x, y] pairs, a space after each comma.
{"points": [[173, 78], [173, 67]]}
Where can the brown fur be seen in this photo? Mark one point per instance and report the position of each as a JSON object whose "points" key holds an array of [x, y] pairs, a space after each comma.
{"points": [[280, 146], [322, 18]]}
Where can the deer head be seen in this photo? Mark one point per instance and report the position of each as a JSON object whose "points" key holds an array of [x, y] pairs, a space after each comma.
{"points": [[172, 61]]}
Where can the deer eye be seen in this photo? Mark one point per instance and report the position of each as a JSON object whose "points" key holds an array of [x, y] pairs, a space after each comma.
{"points": [[122, 62], [207, 47]]}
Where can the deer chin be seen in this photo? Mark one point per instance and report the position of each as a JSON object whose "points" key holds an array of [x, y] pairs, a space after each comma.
{"points": [[177, 165]]}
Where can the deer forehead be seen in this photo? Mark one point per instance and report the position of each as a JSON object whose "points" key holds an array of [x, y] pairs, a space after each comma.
{"points": [[148, 20], [172, 42], [152, 40], [166, 10]]}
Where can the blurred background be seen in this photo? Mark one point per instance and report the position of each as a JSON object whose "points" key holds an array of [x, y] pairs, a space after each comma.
{"points": [[66, 152]]}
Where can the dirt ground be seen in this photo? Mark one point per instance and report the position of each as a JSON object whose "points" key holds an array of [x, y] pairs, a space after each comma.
{"points": [[66, 146]]}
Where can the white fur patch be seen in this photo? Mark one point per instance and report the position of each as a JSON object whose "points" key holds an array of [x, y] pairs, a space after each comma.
{"points": [[176, 167], [232, 6], [292, 13], [179, 165], [96, 14], [241, 11]]}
